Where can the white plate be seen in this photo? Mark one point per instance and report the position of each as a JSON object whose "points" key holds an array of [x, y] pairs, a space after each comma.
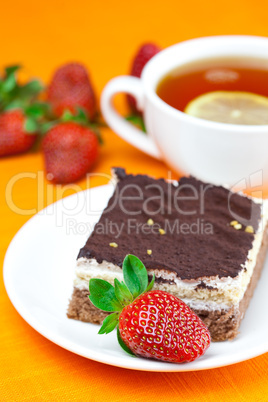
{"points": [[38, 274]]}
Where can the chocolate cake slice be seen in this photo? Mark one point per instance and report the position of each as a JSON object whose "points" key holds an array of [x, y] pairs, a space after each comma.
{"points": [[204, 243]]}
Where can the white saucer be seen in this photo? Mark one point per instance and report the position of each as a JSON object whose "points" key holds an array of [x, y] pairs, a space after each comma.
{"points": [[38, 274]]}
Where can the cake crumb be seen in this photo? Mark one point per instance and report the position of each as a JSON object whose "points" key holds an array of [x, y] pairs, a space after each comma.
{"points": [[149, 252], [150, 222], [249, 229], [238, 226], [162, 231], [113, 245], [233, 223]]}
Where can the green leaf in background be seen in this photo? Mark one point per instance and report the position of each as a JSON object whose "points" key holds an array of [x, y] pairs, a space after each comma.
{"points": [[30, 90], [67, 116], [37, 110], [109, 323], [14, 95], [137, 120], [135, 275], [123, 345], [81, 116], [122, 293], [94, 127], [12, 69], [30, 125], [102, 295], [9, 83], [15, 104], [45, 127]]}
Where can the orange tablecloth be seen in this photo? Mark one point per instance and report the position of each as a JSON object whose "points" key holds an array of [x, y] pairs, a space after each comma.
{"points": [[104, 35]]}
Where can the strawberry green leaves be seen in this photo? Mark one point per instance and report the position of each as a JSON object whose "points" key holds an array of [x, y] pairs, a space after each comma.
{"points": [[30, 90], [102, 295], [135, 275], [109, 323], [30, 126], [78, 116], [9, 81], [12, 69], [122, 293], [113, 299], [14, 95], [35, 114]]}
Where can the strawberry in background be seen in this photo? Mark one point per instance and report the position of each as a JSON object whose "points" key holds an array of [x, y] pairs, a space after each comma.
{"points": [[20, 112], [14, 137], [70, 88], [70, 147], [143, 55]]}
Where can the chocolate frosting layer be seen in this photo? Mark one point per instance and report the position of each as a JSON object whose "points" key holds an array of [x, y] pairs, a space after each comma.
{"points": [[198, 239]]}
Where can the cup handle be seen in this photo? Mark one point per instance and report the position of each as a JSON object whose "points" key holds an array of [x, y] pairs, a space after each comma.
{"points": [[123, 128]]}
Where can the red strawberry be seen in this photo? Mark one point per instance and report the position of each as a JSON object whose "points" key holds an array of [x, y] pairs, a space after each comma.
{"points": [[144, 54], [167, 329], [70, 88], [13, 137], [70, 150], [152, 324]]}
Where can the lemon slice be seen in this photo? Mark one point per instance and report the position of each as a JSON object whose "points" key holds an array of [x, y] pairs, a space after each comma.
{"points": [[232, 107]]}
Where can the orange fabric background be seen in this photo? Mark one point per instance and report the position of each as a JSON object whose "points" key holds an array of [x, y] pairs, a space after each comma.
{"points": [[104, 35]]}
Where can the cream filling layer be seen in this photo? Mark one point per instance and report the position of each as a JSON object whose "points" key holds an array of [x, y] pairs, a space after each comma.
{"points": [[223, 292]]}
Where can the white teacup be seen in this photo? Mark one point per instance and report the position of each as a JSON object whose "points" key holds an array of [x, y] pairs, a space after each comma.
{"points": [[214, 152]]}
